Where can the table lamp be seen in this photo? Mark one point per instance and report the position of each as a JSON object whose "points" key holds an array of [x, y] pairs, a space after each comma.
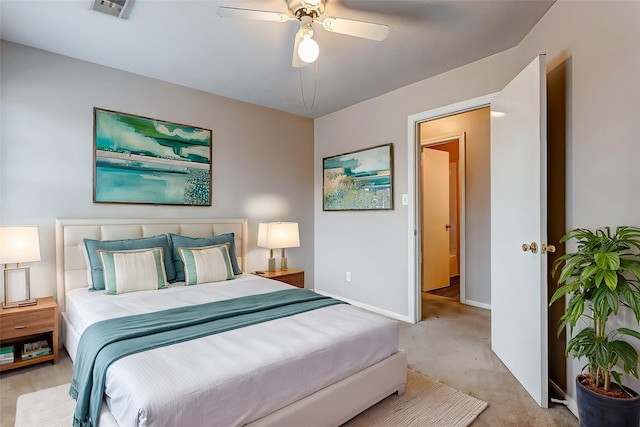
{"points": [[272, 235], [17, 245]]}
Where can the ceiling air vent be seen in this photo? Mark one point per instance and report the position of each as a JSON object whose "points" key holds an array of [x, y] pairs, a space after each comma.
{"points": [[117, 8]]}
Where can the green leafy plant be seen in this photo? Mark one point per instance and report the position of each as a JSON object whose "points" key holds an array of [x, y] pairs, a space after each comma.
{"points": [[603, 275]]}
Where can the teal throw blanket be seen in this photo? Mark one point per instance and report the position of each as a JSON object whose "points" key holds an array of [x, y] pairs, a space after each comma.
{"points": [[104, 342]]}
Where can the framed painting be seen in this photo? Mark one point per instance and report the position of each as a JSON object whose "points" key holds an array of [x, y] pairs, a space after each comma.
{"points": [[148, 161], [360, 180]]}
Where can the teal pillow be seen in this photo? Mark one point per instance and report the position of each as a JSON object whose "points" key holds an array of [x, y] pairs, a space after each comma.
{"points": [[97, 272], [178, 241]]}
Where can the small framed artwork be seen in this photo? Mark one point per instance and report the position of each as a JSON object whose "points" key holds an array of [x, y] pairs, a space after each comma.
{"points": [[360, 180], [149, 161]]}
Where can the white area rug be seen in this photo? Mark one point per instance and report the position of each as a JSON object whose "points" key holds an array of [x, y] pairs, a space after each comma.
{"points": [[51, 407], [425, 403]]}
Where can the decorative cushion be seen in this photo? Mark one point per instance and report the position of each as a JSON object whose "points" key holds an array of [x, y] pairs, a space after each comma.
{"points": [[92, 246], [178, 241], [87, 263], [131, 271], [207, 264]]}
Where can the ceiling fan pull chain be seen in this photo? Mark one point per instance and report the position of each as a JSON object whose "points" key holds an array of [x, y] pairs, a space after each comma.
{"points": [[315, 86]]}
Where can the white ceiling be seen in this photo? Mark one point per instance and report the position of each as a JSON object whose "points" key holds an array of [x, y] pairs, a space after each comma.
{"points": [[187, 43]]}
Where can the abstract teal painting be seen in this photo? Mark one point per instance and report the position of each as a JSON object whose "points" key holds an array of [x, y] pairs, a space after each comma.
{"points": [[142, 160], [361, 180]]}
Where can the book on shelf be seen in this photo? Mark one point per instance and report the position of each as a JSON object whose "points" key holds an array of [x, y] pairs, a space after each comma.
{"points": [[31, 355], [35, 349], [6, 354]]}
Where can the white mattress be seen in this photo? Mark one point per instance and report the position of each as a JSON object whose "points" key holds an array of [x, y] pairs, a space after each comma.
{"points": [[238, 376]]}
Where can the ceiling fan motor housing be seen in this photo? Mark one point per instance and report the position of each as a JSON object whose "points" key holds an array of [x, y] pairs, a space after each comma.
{"points": [[301, 8]]}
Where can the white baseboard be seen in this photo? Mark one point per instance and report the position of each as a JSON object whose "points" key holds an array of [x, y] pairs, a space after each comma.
{"points": [[569, 401], [477, 304], [386, 313]]}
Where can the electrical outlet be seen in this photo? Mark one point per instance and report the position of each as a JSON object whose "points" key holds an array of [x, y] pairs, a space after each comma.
{"points": [[348, 276]]}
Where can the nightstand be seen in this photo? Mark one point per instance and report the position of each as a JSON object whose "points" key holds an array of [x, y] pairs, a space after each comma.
{"points": [[292, 277], [31, 323]]}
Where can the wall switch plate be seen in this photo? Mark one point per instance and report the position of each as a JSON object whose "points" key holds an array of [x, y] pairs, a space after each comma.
{"points": [[405, 199], [348, 276]]}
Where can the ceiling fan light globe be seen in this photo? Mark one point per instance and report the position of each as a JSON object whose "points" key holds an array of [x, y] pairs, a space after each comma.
{"points": [[308, 50]]}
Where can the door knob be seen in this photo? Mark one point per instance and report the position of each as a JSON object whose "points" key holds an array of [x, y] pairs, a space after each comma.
{"points": [[447, 226], [533, 247], [547, 248]]}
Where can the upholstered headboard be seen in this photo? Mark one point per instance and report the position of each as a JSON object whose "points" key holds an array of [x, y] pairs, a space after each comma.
{"points": [[71, 268]]}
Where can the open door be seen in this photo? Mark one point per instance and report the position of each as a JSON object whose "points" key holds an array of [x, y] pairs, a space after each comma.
{"points": [[435, 218], [519, 334]]}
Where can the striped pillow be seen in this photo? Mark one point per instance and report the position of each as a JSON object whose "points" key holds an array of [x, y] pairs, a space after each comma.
{"points": [[131, 271], [206, 264]]}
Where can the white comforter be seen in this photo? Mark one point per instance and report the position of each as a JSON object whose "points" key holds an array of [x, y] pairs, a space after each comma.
{"points": [[238, 376]]}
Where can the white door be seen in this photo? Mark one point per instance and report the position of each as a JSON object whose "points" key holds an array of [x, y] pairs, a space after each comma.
{"points": [[518, 216], [435, 219]]}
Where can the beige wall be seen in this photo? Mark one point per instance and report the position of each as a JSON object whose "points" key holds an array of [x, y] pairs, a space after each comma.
{"points": [[598, 42], [476, 124], [262, 158]]}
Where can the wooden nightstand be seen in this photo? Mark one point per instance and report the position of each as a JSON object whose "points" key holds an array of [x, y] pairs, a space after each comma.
{"points": [[292, 277], [27, 324]]}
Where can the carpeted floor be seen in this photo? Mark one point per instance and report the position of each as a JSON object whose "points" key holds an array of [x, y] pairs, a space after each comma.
{"points": [[424, 403]]}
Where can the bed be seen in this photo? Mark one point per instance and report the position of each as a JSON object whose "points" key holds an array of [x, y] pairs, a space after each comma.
{"points": [[317, 368]]}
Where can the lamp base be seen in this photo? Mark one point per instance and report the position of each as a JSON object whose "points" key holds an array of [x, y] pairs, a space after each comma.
{"points": [[13, 304], [283, 263], [24, 298], [272, 264]]}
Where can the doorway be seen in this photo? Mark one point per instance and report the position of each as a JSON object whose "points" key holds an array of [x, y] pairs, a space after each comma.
{"points": [[442, 171], [474, 225], [470, 130]]}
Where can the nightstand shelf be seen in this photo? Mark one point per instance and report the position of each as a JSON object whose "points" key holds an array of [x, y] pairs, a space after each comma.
{"points": [[27, 324], [292, 277]]}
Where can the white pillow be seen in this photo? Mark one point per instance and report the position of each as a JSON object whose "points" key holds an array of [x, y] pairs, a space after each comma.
{"points": [[206, 264], [131, 271], [83, 248]]}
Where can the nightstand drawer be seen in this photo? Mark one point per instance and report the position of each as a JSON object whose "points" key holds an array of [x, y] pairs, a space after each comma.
{"points": [[21, 324]]}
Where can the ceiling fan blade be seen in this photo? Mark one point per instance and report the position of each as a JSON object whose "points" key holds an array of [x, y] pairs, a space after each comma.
{"points": [[258, 15], [297, 62], [366, 30]]}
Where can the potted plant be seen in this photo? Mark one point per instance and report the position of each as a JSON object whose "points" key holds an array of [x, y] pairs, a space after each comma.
{"points": [[601, 279]]}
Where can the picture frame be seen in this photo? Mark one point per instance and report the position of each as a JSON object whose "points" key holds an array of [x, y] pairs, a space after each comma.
{"points": [[358, 180], [141, 160]]}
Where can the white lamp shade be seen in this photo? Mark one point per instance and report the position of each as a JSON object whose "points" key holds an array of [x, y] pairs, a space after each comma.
{"points": [[272, 235], [19, 244]]}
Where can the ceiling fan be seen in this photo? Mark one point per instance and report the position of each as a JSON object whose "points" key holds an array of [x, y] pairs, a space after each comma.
{"points": [[308, 12]]}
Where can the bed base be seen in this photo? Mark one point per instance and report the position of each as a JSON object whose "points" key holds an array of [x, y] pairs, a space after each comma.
{"points": [[341, 401]]}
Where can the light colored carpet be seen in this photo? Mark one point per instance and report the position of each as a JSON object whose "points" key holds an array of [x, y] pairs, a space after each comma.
{"points": [[424, 403]]}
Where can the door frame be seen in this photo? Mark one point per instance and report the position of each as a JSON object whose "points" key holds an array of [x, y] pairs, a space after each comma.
{"points": [[461, 178], [414, 281]]}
